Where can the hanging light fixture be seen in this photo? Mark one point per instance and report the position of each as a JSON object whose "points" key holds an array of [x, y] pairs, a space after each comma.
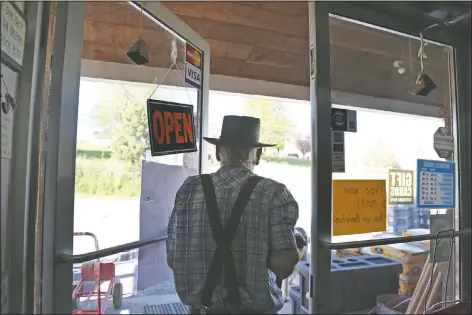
{"points": [[139, 52], [398, 64]]}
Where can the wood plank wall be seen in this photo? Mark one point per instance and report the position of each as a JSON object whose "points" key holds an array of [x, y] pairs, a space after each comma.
{"points": [[269, 41]]}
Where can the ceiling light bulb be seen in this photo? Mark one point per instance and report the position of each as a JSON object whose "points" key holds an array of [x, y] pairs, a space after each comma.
{"points": [[397, 63]]}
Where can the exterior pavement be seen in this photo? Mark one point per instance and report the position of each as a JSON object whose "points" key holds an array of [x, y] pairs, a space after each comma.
{"points": [[134, 302]]}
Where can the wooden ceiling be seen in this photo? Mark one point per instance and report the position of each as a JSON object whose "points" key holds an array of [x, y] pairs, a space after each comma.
{"points": [[269, 41]]}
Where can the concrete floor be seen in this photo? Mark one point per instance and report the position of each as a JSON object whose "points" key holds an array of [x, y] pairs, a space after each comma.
{"points": [[134, 302]]}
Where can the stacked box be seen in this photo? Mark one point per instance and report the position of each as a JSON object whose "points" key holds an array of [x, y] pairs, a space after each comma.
{"points": [[423, 218], [401, 218], [414, 232], [407, 285], [412, 256], [346, 253]]}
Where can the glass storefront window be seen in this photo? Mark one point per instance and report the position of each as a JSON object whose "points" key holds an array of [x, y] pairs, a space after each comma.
{"points": [[387, 145], [122, 193]]}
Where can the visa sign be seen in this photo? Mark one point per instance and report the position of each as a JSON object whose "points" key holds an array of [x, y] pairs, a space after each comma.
{"points": [[193, 76], [193, 66]]}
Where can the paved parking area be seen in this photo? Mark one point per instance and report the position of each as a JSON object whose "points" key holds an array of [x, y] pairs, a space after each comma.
{"points": [[135, 302]]}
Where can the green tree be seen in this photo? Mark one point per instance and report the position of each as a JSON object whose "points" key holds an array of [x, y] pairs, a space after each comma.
{"points": [[131, 138], [107, 112], [122, 118], [275, 126]]}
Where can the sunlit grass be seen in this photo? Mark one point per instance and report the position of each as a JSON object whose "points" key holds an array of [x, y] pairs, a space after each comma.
{"points": [[99, 174]]}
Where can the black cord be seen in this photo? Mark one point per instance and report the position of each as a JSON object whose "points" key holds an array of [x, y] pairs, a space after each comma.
{"points": [[4, 83]]}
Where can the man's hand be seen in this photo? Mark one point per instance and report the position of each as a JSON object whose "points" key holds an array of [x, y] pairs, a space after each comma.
{"points": [[302, 241], [282, 262]]}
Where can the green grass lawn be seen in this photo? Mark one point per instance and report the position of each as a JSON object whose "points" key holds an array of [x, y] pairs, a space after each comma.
{"points": [[99, 174], [93, 154], [101, 153], [105, 177]]}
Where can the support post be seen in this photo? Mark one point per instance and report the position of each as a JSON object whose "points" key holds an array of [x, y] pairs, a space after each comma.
{"points": [[462, 115], [321, 178], [60, 158], [21, 227]]}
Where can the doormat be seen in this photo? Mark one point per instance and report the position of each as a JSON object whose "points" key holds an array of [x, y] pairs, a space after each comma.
{"points": [[168, 308]]}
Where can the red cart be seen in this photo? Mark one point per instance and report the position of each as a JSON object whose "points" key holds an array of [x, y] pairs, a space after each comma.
{"points": [[97, 272]]}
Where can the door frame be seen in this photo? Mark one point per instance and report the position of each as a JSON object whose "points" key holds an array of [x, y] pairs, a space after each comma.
{"points": [[59, 181]]}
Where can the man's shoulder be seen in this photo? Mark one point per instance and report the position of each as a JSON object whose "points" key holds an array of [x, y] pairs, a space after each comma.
{"points": [[266, 183], [269, 183], [187, 188], [192, 180]]}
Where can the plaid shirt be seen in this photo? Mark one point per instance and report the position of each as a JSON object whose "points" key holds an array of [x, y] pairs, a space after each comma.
{"points": [[267, 224]]}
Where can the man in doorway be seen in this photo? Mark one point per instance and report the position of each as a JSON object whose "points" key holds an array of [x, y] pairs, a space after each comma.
{"points": [[231, 233]]}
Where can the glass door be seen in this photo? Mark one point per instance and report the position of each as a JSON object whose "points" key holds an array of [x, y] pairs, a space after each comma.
{"points": [[384, 115], [110, 185]]}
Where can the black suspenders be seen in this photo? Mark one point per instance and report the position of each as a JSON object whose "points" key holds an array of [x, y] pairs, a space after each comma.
{"points": [[223, 238]]}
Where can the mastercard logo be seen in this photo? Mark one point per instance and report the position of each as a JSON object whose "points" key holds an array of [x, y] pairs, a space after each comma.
{"points": [[194, 57]]}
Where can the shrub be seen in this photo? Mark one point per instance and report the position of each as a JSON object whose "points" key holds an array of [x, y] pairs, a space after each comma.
{"points": [[105, 177], [93, 154]]}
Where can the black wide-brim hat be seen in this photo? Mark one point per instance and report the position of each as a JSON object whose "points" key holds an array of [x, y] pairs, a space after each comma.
{"points": [[239, 131]]}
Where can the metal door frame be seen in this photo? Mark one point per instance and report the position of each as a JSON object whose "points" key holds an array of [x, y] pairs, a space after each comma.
{"points": [[320, 98], [23, 166], [62, 137]]}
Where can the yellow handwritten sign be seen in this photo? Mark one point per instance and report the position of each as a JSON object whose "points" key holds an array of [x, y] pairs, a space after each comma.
{"points": [[359, 206]]}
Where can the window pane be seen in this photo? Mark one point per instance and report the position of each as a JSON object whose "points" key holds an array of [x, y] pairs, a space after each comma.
{"points": [[122, 193], [285, 123], [378, 74]]}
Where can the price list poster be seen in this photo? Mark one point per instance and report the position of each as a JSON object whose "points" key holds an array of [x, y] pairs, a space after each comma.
{"points": [[436, 184]]}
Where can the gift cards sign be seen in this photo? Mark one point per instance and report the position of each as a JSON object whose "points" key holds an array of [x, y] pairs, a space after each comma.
{"points": [[171, 127], [400, 187]]}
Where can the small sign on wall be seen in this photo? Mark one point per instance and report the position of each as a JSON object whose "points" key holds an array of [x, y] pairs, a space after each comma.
{"points": [[7, 131], [338, 157], [400, 187], [193, 66], [13, 33], [359, 206], [444, 143], [171, 127], [436, 184], [343, 120]]}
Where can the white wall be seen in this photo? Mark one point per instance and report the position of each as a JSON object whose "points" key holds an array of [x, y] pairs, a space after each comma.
{"points": [[11, 80]]}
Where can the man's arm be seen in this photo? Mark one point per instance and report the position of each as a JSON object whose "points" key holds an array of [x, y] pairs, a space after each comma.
{"points": [[170, 242], [283, 215], [172, 227]]}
